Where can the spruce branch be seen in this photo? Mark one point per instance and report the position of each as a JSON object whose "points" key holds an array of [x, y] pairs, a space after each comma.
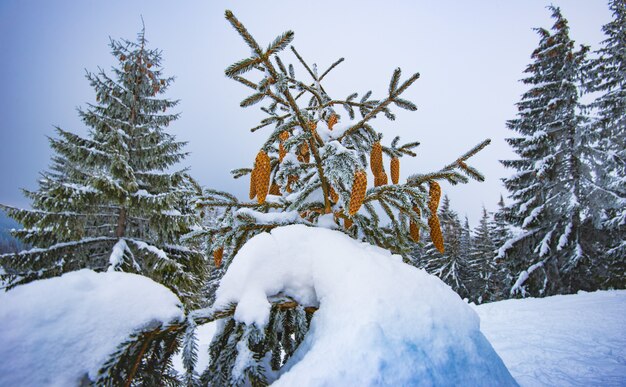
{"points": [[241, 67], [393, 97], [279, 44], [243, 32]]}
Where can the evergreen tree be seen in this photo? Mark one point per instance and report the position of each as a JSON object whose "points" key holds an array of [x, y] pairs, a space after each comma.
{"points": [[551, 186], [108, 201], [504, 274], [499, 227], [606, 75], [450, 265], [312, 170], [482, 265]]}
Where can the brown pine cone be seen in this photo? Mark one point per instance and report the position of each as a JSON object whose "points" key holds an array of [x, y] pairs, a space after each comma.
{"points": [[359, 187], [376, 158], [395, 170], [262, 178]]}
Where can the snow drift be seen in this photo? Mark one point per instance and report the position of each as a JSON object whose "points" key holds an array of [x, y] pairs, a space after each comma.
{"points": [[379, 322], [57, 331]]}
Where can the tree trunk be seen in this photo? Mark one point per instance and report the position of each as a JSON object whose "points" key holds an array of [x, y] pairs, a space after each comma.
{"points": [[120, 230]]}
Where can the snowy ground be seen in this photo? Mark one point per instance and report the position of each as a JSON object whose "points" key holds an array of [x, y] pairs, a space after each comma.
{"points": [[573, 340], [54, 332]]}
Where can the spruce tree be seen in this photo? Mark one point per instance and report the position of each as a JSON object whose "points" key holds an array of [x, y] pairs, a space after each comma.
{"points": [[606, 75], [504, 274], [312, 170], [482, 265], [316, 167], [109, 200], [551, 185]]}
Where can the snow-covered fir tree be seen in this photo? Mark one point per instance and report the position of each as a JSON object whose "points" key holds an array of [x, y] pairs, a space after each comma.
{"points": [[606, 76], [499, 227], [551, 186], [481, 263], [110, 200], [504, 277], [449, 264]]}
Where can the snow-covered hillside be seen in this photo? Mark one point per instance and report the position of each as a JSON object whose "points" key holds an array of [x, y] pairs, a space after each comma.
{"points": [[573, 340]]}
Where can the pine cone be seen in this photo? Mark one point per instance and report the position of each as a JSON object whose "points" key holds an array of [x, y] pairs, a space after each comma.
{"points": [[347, 223], [284, 135], [434, 196], [334, 197], [376, 158], [262, 177], [149, 65], [217, 256], [332, 120], [122, 57], [274, 189], [359, 187], [395, 170], [435, 232], [414, 229]]}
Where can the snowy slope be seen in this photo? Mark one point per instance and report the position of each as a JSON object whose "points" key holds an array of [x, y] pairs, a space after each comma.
{"points": [[380, 322], [573, 340], [53, 332]]}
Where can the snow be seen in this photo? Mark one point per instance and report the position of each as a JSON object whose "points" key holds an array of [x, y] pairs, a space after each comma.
{"points": [[518, 287], [533, 215], [572, 340], [285, 217], [117, 255], [53, 332], [379, 322], [153, 249]]}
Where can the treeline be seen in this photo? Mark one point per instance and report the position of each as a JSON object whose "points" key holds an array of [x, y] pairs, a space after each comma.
{"points": [[567, 195]]}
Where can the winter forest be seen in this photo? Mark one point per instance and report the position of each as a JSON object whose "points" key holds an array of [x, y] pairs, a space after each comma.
{"points": [[346, 262]]}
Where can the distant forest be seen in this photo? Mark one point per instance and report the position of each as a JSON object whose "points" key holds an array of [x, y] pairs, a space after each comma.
{"points": [[8, 244]]}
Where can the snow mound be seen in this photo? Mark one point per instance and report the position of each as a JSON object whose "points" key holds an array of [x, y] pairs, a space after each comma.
{"points": [[572, 340], [379, 322], [54, 332]]}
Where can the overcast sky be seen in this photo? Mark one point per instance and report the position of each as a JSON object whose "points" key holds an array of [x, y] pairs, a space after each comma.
{"points": [[470, 55]]}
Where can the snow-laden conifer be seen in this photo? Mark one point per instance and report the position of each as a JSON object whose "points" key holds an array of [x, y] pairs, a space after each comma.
{"points": [[323, 164], [606, 76], [110, 200], [481, 262], [313, 169], [501, 233], [550, 188]]}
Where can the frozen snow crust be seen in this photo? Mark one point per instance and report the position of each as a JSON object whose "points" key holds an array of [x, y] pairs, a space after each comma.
{"points": [[55, 331], [379, 322]]}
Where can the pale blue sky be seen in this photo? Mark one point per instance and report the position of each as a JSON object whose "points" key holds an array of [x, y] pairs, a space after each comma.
{"points": [[470, 54]]}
